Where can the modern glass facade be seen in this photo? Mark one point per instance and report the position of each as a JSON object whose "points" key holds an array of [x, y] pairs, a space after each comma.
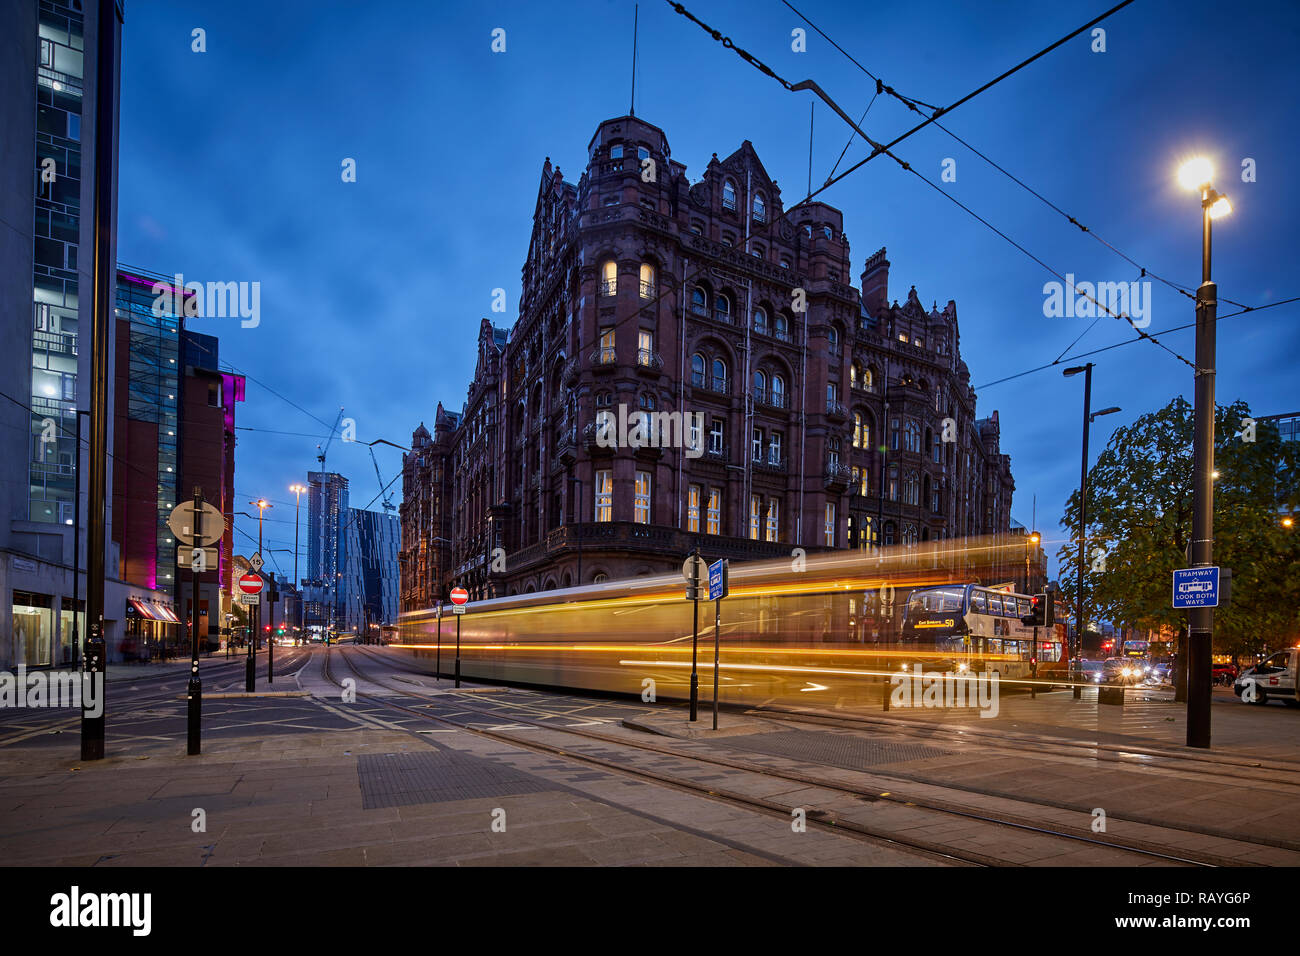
{"points": [[55, 324], [153, 396]]}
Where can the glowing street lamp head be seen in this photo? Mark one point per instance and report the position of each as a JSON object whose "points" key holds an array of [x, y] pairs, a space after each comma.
{"points": [[1195, 173], [1220, 208]]}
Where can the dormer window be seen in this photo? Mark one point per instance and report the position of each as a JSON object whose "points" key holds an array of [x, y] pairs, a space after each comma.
{"points": [[760, 209], [728, 195]]}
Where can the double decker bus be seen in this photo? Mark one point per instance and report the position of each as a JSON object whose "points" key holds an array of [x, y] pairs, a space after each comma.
{"points": [[980, 627]]}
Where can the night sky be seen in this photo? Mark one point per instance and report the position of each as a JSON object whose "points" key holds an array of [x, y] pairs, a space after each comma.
{"points": [[372, 292]]}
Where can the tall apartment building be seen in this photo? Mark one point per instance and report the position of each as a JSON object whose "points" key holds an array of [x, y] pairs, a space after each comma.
{"points": [[829, 416], [48, 96], [327, 515], [370, 570]]}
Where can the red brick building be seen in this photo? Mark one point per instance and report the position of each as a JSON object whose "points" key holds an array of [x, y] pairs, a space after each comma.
{"points": [[817, 416]]}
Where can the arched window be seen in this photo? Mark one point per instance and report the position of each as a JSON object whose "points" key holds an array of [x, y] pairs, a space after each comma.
{"points": [[781, 328], [912, 437], [833, 337], [855, 376], [911, 489], [719, 375], [859, 431], [647, 281], [828, 232], [722, 308], [699, 302], [760, 383], [728, 195], [760, 208], [778, 391], [609, 278], [697, 370], [760, 320]]}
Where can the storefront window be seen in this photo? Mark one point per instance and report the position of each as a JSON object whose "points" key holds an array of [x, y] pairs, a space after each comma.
{"points": [[33, 616]]}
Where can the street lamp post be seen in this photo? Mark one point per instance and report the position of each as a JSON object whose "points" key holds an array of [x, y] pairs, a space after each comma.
{"points": [[297, 511], [1088, 417], [1196, 174], [250, 668]]}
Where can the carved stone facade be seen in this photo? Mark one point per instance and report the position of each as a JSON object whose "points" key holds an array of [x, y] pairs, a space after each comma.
{"points": [[644, 291]]}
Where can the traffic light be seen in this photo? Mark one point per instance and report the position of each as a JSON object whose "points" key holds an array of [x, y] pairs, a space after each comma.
{"points": [[1043, 611], [1038, 610]]}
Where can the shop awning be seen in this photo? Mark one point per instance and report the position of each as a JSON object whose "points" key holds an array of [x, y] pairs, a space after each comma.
{"points": [[144, 609], [166, 614]]}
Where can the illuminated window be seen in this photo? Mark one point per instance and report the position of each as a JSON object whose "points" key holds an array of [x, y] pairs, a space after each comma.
{"points": [[829, 528], [857, 431], [693, 509], [755, 508], [606, 352], [773, 519], [641, 514], [715, 511], [645, 348], [647, 281], [609, 278], [604, 496]]}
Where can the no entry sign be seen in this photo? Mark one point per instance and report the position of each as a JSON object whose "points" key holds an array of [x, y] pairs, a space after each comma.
{"points": [[250, 583], [459, 596]]}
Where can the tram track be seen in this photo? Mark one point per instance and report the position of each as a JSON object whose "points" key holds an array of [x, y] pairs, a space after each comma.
{"points": [[837, 822]]}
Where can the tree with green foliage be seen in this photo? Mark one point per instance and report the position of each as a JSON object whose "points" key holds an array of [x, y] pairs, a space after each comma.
{"points": [[1140, 524]]}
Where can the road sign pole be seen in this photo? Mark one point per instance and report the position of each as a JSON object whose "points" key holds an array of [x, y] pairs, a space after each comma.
{"points": [[437, 668], [195, 690], [717, 624], [458, 617], [695, 635]]}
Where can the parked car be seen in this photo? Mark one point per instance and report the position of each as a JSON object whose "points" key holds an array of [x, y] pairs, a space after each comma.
{"points": [[1274, 678], [1223, 673]]}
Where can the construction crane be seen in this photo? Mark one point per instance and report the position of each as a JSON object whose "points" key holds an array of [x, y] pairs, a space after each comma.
{"points": [[321, 457], [387, 503]]}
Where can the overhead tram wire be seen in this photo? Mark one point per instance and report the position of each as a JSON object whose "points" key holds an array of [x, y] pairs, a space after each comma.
{"points": [[878, 149], [912, 103], [1115, 345]]}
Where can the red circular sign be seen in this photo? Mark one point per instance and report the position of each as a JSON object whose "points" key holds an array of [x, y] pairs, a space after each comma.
{"points": [[250, 583], [459, 596]]}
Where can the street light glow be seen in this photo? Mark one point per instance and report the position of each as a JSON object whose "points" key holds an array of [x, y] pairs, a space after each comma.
{"points": [[1196, 173], [1219, 208]]}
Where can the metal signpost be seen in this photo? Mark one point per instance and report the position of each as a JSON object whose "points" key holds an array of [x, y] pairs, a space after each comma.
{"points": [[250, 586], [437, 667], [459, 598], [196, 525], [695, 571], [717, 591]]}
